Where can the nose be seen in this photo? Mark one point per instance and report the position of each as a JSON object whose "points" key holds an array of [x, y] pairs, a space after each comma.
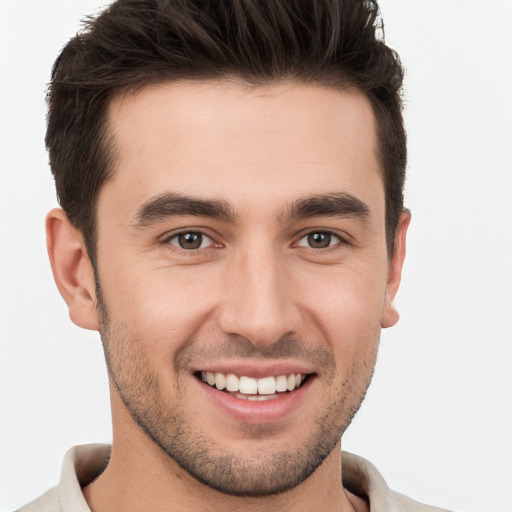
{"points": [[259, 303]]}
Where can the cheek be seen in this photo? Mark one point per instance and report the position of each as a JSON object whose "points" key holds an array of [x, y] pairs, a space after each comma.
{"points": [[347, 309], [348, 296], [162, 308]]}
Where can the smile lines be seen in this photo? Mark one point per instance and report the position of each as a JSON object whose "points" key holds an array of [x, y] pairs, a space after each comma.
{"points": [[250, 386]]}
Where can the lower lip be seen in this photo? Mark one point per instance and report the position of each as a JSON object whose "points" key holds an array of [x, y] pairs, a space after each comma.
{"points": [[258, 412]]}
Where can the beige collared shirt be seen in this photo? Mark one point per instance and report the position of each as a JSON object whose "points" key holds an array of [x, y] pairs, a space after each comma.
{"points": [[83, 463]]}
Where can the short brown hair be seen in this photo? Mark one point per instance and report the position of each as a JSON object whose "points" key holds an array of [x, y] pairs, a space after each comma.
{"points": [[134, 43]]}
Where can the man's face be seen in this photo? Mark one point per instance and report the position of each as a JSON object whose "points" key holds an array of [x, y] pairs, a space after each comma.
{"points": [[241, 241]]}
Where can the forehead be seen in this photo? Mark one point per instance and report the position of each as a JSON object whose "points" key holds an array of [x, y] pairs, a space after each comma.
{"points": [[243, 144]]}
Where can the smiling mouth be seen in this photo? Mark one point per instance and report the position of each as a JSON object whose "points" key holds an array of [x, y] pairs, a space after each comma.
{"points": [[249, 388]]}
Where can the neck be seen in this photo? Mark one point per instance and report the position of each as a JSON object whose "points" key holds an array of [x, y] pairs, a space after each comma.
{"points": [[140, 476]]}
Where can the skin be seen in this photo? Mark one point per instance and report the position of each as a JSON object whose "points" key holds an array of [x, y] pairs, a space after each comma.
{"points": [[255, 293]]}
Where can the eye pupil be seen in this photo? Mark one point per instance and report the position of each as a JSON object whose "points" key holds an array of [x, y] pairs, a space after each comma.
{"points": [[319, 240], [190, 240]]}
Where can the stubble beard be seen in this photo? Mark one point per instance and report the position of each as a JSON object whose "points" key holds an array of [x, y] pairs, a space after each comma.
{"points": [[193, 448]]}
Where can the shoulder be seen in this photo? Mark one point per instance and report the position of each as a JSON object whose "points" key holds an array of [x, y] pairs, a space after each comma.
{"points": [[80, 466], [362, 478], [48, 502], [402, 503]]}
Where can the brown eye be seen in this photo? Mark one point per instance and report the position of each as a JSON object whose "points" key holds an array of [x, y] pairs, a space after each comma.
{"points": [[319, 240], [191, 240]]}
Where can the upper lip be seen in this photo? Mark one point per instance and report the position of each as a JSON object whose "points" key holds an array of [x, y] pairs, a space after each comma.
{"points": [[256, 369]]}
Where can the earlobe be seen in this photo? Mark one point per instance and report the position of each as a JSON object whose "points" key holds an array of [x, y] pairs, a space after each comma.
{"points": [[390, 315], [72, 269]]}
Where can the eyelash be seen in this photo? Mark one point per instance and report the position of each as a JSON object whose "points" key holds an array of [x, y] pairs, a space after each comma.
{"points": [[339, 240], [212, 244], [331, 234]]}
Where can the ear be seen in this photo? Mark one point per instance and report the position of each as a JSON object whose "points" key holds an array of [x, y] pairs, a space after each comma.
{"points": [[72, 269], [390, 315]]}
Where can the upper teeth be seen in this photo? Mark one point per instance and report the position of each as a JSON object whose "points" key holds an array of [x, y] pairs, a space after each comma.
{"points": [[248, 385]]}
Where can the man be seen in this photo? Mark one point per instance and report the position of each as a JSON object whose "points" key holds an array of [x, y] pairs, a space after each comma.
{"points": [[232, 223]]}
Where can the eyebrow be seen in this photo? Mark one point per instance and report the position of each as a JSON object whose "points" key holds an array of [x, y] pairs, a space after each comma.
{"points": [[169, 204], [330, 205], [162, 206]]}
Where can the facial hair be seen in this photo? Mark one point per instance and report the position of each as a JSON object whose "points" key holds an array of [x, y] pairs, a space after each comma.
{"points": [[192, 446]]}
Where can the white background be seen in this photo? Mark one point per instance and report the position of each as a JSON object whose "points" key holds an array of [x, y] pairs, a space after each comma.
{"points": [[438, 418]]}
